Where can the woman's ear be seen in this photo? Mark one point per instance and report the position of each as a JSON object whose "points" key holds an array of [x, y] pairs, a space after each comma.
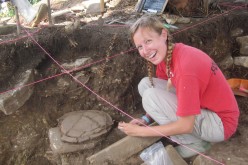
{"points": [[164, 33]]}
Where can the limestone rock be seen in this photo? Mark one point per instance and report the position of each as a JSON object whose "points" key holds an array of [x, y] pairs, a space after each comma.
{"points": [[226, 63], [237, 32], [79, 130], [243, 41], [76, 64], [11, 101], [241, 61], [92, 6], [59, 147]]}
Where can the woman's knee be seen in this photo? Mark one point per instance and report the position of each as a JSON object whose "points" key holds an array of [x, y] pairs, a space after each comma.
{"points": [[143, 85], [158, 104], [150, 98]]}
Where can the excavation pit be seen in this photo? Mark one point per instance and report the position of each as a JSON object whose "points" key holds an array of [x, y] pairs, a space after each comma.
{"points": [[107, 81]]}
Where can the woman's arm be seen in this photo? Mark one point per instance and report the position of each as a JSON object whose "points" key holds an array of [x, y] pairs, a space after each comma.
{"points": [[183, 125]]}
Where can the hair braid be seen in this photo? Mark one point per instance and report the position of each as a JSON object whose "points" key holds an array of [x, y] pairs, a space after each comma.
{"points": [[150, 72], [169, 55], [168, 59]]}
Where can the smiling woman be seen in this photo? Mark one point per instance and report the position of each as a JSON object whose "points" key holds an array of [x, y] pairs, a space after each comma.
{"points": [[196, 108]]}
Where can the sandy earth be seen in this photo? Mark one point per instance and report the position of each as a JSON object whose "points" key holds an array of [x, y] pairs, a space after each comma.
{"points": [[24, 134]]}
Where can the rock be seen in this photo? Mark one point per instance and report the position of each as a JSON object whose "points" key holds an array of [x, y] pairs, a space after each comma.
{"points": [[113, 4], [243, 42], [13, 100], [241, 61], [92, 6], [57, 15], [122, 150], [76, 64], [60, 147], [63, 84], [80, 126], [79, 130], [82, 77], [170, 19], [72, 26], [173, 19], [183, 20], [226, 63], [237, 32]]}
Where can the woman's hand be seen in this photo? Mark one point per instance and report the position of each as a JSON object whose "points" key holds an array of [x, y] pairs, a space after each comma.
{"points": [[131, 129], [138, 121]]}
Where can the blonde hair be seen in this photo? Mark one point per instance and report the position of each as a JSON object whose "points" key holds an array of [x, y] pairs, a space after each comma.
{"points": [[153, 23], [147, 21]]}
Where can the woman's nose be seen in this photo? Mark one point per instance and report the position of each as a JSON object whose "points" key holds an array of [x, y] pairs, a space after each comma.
{"points": [[145, 50]]}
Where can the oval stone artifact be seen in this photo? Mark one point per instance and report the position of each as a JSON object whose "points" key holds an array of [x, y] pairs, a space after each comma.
{"points": [[84, 125]]}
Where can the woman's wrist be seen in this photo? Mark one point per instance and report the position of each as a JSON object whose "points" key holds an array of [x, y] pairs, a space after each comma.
{"points": [[146, 119]]}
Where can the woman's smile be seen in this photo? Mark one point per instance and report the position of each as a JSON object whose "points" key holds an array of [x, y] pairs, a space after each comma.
{"points": [[152, 55]]}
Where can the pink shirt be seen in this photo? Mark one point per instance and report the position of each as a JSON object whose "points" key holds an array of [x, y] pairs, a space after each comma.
{"points": [[200, 84]]}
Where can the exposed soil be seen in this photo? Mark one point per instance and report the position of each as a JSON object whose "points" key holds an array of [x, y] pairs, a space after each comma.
{"points": [[24, 134]]}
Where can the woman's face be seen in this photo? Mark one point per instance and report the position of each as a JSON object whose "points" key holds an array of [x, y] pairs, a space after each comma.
{"points": [[151, 45]]}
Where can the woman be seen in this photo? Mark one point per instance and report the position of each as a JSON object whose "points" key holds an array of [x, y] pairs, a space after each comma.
{"points": [[190, 98]]}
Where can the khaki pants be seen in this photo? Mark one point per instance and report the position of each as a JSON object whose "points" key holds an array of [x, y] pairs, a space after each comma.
{"points": [[161, 105]]}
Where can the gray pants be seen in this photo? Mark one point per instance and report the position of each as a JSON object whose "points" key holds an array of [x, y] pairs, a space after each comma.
{"points": [[161, 105]]}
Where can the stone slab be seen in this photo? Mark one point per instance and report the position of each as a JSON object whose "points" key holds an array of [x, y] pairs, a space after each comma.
{"points": [[121, 150], [60, 147], [11, 101]]}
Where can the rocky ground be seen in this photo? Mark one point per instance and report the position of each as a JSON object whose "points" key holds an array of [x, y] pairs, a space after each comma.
{"points": [[24, 132]]}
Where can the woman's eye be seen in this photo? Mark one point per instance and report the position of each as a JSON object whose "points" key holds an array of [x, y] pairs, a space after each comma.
{"points": [[139, 47], [148, 41]]}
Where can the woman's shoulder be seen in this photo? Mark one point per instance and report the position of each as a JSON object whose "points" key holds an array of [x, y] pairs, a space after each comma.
{"points": [[184, 47], [182, 50]]}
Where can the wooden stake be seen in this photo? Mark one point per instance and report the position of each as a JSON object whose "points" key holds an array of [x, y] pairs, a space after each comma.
{"points": [[102, 6], [18, 24], [49, 13]]}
